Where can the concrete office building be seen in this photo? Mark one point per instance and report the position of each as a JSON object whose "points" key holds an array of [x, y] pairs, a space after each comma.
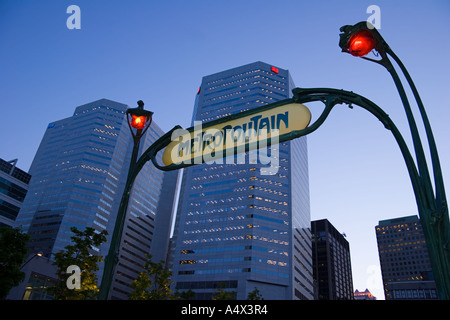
{"points": [[239, 226], [79, 173], [404, 259], [13, 188]]}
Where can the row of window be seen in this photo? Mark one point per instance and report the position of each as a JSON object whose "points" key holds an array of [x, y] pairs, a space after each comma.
{"points": [[234, 270], [241, 91], [413, 294], [16, 172], [12, 190], [233, 248], [237, 227], [235, 208], [186, 285], [236, 238], [235, 76], [235, 259], [8, 210]]}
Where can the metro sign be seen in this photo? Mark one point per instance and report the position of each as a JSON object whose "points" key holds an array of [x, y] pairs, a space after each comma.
{"points": [[235, 134]]}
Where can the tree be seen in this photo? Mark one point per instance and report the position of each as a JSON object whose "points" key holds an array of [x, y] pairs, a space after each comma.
{"points": [[254, 295], [153, 283], [221, 294], [12, 255], [186, 295], [78, 255]]}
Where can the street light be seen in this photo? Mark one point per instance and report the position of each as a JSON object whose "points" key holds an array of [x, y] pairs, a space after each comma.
{"points": [[139, 121], [34, 255], [359, 40]]}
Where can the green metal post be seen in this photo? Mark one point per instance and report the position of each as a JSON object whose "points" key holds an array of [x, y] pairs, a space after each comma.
{"points": [[135, 167], [434, 211], [438, 221], [113, 253]]}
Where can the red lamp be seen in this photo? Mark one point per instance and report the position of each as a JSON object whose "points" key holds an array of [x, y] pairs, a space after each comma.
{"points": [[361, 43], [360, 39], [140, 119], [138, 122]]}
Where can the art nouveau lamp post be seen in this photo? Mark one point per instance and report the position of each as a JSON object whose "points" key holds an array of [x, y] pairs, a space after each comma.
{"points": [[139, 121], [359, 40]]}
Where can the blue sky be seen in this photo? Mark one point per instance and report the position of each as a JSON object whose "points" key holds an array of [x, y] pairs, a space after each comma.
{"points": [[158, 51]]}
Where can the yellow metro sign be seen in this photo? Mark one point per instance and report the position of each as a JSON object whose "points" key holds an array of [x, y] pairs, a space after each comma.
{"points": [[228, 136]]}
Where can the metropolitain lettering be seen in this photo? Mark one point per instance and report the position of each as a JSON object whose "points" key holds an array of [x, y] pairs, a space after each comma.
{"points": [[233, 135]]}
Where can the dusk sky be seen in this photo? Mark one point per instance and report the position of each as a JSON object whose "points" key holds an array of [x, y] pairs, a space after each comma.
{"points": [[158, 52]]}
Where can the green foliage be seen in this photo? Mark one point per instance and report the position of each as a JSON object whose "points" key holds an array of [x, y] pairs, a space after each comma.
{"points": [[254, 295], [186, 295], [78, 254], [12, 255], [153, 283], [221, 294]]}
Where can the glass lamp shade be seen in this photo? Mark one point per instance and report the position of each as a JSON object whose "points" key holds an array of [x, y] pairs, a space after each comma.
{"points": [[361, 43], [138, 122]]}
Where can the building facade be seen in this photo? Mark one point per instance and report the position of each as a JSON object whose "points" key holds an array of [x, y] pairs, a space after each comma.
{"points": [[331, 262], [13, 189], [364, 295], [243, 223], [79, 173], [404, 260]]}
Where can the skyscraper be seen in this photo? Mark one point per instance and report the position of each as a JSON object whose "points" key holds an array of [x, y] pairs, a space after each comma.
{"points": [[240, 224], [404, 259], [13, 188], [79, 173], [331, 262]]}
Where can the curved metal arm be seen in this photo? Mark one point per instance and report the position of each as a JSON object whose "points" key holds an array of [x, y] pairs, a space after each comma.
{"points": [[441, 201], [332, 97], [152, 151]]}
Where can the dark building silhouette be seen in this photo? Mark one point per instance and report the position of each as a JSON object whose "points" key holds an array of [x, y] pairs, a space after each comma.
{"points": [[331, 262], [404, 259]]}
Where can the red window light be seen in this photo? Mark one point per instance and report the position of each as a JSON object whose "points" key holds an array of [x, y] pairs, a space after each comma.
{"points": [[199, 89], [275, 70]]}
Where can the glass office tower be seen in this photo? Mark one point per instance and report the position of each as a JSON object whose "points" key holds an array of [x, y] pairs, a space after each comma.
{"points": [[240, 224], [404, 259], [78, 176]]}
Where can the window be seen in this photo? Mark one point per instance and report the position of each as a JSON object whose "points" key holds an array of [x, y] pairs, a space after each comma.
{"points": [[36, 287]]}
